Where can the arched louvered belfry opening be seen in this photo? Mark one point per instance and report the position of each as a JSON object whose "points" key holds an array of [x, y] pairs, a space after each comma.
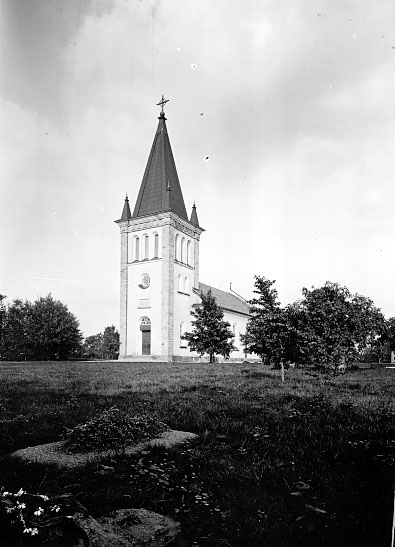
{"points": [[136, 248], [177, 247], [189, 257], [156, 245]]}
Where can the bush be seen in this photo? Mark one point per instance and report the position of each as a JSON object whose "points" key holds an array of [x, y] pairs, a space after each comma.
{"points": [[113, 428]]}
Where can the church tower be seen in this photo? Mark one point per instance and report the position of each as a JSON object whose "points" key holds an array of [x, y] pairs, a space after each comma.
{"points": [[159, 260]]}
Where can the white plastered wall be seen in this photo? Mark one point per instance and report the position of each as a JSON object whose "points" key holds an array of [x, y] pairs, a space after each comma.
{"points": [[238, 324], [144, 302], [184, 297]]}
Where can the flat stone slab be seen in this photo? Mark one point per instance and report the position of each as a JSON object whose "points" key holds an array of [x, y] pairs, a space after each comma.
{"points": [[56, 454], [128, 528]]}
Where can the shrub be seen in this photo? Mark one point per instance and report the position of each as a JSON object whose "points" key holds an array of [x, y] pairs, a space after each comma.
{"points": [[113, 428]]}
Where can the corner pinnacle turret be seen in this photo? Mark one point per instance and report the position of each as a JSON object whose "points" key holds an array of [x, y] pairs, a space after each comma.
{"points": [[194, 218], [126, 214]]}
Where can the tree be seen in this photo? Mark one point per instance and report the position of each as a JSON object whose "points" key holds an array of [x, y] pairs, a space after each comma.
{"points": [[40, 331], [93, 346], [111, 343], [337, 325], [383, 345], [327, 328], [3, 318], [270, 330], [210, 334], [54, 330], [103, 345], [17, 339]]}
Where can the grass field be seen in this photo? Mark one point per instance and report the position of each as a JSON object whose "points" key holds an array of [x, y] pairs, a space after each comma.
{"points": [[258, 438]]}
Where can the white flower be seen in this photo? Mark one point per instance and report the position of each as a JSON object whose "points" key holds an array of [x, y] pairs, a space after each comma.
{"points": [[39, 512], [21, 505], [20, 493], [55, 508], [45, 498], [31, 531], [5, 494]]}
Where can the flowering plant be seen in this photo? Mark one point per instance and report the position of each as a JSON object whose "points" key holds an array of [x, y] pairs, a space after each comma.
{"points": [[24, 514]]}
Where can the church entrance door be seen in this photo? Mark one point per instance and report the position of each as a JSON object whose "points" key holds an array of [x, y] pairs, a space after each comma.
{"points": [[145, 327], [146, 342]]}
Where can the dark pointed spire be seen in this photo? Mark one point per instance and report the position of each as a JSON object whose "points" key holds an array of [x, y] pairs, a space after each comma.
{"points": [[194, 218], [160, 188], [126, 214]]}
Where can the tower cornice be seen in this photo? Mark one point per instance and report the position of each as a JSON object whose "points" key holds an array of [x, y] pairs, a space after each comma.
{"points": [[157, 220]]}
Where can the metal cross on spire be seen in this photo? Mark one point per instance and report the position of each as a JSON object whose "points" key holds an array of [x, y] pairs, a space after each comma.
{"points": [[162, 103]]}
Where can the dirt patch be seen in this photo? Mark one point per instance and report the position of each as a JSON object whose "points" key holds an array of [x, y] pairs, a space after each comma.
{"points": [[56, 453]]}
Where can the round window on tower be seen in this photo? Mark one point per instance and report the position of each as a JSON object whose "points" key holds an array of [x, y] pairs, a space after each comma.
{"points": [[145, 281]]}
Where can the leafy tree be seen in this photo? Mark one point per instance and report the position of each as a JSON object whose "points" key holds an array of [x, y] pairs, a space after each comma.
{"points": [[271, 331], [266, 313], [93, 346], [17, 339], [210, 334], [329, 326], [382, 346], [54, 330], [41, 330], [337, 325], [103, 345], [111, 343], [3, 318]]}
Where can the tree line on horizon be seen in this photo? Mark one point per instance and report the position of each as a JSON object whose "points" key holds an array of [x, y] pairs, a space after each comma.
{"points": [[328, 327], [46, 330]]}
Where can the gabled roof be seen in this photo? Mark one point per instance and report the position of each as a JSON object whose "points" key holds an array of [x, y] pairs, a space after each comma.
{"points": [[226, 300], [160, 190]]}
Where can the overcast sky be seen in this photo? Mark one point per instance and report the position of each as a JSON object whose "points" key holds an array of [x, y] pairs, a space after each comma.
{"points": [[293, 102]]}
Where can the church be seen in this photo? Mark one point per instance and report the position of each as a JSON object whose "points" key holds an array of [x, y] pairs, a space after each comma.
{"points": [[160, 283]]}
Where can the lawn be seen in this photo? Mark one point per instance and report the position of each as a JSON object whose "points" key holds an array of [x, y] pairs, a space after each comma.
{"points": [[307, 462]]}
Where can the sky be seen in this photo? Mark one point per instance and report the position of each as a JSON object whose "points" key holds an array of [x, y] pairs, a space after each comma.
{"points": [[281, 117]]}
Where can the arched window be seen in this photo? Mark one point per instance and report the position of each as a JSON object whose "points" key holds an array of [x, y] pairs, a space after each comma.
{"points": [[183, 249], [156, 245], [186, 285], [180, 283], [189, 257], [183, 343], [177, 247], [146, 247], [136, 248]]}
